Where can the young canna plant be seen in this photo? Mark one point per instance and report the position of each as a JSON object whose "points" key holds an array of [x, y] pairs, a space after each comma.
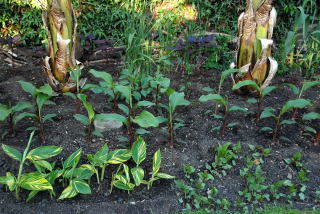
{"points": [[299, 92], [40, 98], [311, 116], [262, 92], [81, 87], [279, 121], [227, 110], [33, 181], [103, 158], [145, 119], [87, 120], [8, 113], [159, 83], [175, 99], [77, 178], [107, 86]]}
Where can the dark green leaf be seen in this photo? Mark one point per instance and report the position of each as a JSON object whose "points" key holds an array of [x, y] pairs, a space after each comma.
{"points": [[146, 119], [28, 87], [82, 119], [81, 186]]}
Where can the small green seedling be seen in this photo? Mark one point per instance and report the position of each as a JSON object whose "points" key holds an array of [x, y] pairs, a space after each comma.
{"points": [[227, 110], [76, 177], [290, 105], [309, 117], [145, 119], [107, 86], [300, 91], [81, 87], [8, 113], [175, 99], [296, 162], [40, 97], [87, 120], [262, 92], [33, 181]]}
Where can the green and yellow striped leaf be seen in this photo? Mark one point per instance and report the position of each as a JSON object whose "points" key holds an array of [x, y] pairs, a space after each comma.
{"points": [[44, 152], [68, 192], [12, 152], [81, 186], [138, 175], [34, 181], [118, 156], [139, 150], [156, 162]]}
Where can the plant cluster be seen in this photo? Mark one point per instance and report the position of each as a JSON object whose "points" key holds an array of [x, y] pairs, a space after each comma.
{"points": [[76, 179], [199, 190]]}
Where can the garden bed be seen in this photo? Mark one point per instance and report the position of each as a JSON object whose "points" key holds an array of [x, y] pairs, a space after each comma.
{"points": [[195, 143]]}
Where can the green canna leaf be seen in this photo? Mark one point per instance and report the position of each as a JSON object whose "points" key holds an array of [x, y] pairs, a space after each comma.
{"points": [[146, 119], [12, 152], [68, 192], [138, 175], [118, 156], [44, 152], [81, 186], [156, 162]]}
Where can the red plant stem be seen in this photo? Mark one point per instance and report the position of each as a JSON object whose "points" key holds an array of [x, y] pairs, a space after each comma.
{"points": [[224, 125], [78, 106], [275, 131], [114, 100], [259, 109], [295, 114], [317, 139], [89, 134], [171, 133], [10, 125], [157, 94], [130, 128]]}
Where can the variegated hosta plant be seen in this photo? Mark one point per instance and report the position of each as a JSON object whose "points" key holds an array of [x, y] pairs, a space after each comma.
{"points": [[61, 24], [255, 29]]}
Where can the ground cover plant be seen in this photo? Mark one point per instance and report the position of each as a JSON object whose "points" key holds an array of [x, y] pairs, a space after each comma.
{"points": [[215, 138]]}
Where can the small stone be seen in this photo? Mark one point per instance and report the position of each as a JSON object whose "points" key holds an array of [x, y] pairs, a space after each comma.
{"points": [[289, 176], [101, 126]]}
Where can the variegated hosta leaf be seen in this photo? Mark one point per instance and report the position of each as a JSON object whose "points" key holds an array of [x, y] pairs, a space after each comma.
{"points": [[156, 162], [44, 152], [124, 186], [81, 186], [68, 192], [138, 175]]}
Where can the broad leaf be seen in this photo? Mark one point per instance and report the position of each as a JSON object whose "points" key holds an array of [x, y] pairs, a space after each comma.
{"points": [[165, 176], [138, 175], [82, 119], [28, 87], [44, 152], [144, 104], [12, 152], [139, 151], [310, 84], [291, 104], [287, 122], [111, 117], [267, 113], [237, 108], [4, 112], [156, 162], [48, 117], [35, 181], [249, 83], [118, 156], [146, 119], [102, 154], [22, 116], [81, 186], [41, 99], [177, 99], [11, 181], [45, 89], [311, 116], [22, 106], [125, 91], [73, 159], [102, 75], [268, 90], [121, 185], [214, 97], [227, 73], [68, 192], [124, 108]]}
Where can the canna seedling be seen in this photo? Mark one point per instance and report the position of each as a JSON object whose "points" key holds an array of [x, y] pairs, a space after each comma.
{"points": [[87, 120], [299, 92], [8, 113], [262, 92], [33, 181], [40, 98], [107, 86], [279, 122], [145, 119], [103, 158], [227, 110], [76, 177], [159, 84], [175, 99], [309, 117], [80, 87]]}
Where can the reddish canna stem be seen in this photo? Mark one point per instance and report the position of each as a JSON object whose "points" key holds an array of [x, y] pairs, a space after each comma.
{"points": [[259, 109], [157, 94], [114, 100], [130, 128], [78, 106], [295, 114], [317, 139], [275, 131], [89, 135], [10, 125], [224, 125], [171, 133]]}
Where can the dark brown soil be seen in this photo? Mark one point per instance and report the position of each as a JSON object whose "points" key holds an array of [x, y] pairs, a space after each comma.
{"points": [[195, 143]]}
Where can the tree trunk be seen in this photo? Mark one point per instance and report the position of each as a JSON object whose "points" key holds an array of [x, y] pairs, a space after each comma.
{"points": [[255, 29], [61, 24]]}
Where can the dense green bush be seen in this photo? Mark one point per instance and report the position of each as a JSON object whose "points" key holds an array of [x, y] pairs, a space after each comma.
{"points": [[107, 19]]}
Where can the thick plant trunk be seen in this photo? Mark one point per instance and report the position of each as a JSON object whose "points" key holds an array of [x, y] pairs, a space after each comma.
{"points": [[255, 29], [61, 24]]}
